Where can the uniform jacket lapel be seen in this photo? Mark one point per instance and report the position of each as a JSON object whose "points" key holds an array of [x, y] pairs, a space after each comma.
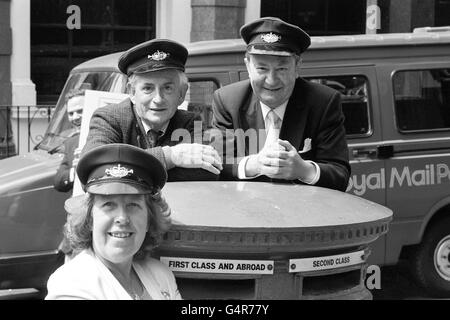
{"points": [[295, 117], [139, 136], [251, 117]]}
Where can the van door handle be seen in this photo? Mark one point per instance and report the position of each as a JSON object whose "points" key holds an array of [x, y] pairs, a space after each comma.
{"points": [[382, 152], [365, 153]]}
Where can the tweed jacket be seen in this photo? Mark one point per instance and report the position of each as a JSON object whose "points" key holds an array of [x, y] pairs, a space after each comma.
{"points": [[313, 123], [119, 123]]}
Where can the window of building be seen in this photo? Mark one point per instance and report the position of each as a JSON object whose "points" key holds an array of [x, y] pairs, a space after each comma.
{"points": [[422, 100], [355, 102], [441, 12], [106, 26], [320, 17]]}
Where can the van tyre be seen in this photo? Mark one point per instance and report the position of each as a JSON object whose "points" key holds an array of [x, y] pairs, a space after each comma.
{"points": [[431, 259]]}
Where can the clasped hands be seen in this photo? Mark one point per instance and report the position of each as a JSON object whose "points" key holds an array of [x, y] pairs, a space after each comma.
{"points": [[195, 155], [280, 160]]}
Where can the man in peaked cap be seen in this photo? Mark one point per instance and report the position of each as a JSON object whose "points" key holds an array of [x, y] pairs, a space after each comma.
{"points": [[157, 85], [298, 125]]}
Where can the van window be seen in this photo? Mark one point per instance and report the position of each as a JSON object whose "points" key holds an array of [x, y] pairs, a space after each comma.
{"points": [[355, 101], [354, 98], [422, 100], [60, 128], [199, 99]]}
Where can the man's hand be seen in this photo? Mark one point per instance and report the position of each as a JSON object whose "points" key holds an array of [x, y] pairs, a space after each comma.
{"points": [[280, 160], [195, 155]]}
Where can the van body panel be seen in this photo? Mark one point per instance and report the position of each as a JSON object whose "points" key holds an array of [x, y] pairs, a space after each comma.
{"points": [[26, 164], [401, 233], [403, 169], [32, 213], [443, 203], [417, 173], [103, 63]]}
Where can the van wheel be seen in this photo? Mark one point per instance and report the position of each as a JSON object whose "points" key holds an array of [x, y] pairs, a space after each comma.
{"points": [[431, 259]]}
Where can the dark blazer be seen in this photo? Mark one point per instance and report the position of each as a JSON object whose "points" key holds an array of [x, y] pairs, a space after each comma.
{"points": [[61, 181], [313, 111], [118, 123]]}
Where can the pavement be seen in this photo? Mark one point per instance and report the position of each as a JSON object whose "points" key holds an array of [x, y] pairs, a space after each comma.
{"points": [[397, 283]]}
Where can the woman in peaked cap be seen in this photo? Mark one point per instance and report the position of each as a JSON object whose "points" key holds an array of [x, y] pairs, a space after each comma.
{"points": [[112, 226]]}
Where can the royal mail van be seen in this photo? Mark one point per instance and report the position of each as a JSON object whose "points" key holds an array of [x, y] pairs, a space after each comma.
{"points": [[395, 92]]}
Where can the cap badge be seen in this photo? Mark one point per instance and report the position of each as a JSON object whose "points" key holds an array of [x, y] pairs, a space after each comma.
{"points": [[270, 37], [158, 55], [118, 172]]}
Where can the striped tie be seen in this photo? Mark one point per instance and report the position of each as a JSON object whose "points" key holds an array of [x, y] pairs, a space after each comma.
{"points": [[273, 125], [153, 137]]}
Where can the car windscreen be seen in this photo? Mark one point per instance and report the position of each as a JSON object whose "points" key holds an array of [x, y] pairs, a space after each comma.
{"points": [[60, 128]]}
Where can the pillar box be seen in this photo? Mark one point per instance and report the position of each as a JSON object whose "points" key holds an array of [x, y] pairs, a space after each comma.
{"points": [[216, 19], [255, 240]]}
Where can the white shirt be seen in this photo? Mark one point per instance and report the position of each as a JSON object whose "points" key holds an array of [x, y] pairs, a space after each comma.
{"points": [[147, 128], [279, 111]]}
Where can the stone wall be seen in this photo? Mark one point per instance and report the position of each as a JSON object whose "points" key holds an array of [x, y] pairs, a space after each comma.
{"points": [[216, 19], [5, 53], [6, 145]]}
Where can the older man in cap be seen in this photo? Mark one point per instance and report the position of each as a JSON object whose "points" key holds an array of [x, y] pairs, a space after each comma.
{"points": [[298, 126], [150, 118]]}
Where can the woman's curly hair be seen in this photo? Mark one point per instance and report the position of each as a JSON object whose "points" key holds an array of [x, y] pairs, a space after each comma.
{"points": [[78, 228]]}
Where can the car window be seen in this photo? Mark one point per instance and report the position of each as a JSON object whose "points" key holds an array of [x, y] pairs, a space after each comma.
{"points": [[60, 128], [199, 99], [355, 101], [422, 100]]}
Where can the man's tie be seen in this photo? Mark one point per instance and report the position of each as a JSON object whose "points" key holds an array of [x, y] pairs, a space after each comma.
{"points": [[273, 123], [153, 137]]}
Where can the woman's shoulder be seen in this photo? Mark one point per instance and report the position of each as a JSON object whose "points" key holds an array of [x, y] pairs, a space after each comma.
{"points": [[160, 277], [82, 266], [156, 266], [70, 279]]}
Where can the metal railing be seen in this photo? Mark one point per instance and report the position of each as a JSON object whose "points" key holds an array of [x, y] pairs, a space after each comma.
{"points": [[22, 127]]}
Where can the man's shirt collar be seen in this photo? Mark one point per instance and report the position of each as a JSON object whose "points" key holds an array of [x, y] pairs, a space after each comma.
{"points": [[147, 128], [280, 110]]}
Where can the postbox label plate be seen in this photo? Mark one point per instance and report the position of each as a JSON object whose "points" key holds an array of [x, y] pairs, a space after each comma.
{"points": [[200, 265], [326, 262]]}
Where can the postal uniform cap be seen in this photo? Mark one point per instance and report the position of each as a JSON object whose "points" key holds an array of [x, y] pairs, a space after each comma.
{"points": [[273, 36], [119, 168], [153, 55]]}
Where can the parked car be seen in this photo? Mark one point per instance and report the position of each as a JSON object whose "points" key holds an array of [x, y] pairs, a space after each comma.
{"points": [[395, 92]]}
